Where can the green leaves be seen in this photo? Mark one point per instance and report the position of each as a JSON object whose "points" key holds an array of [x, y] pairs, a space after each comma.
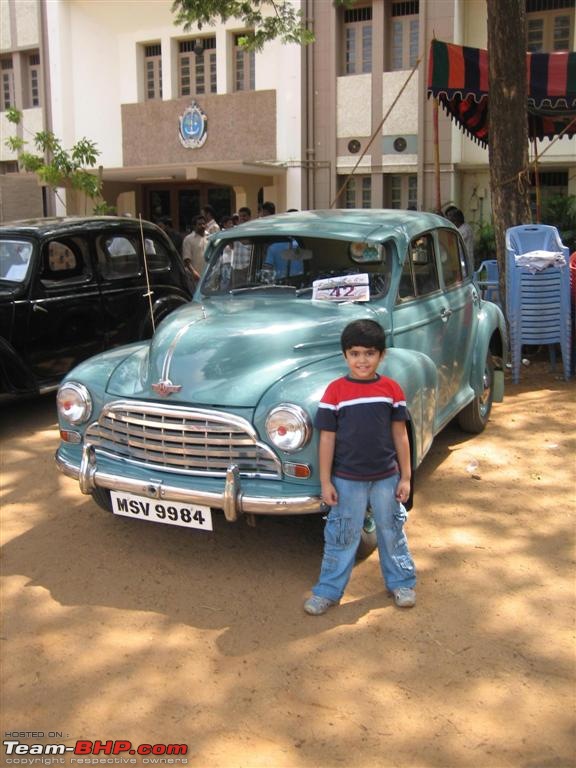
{"points": [[54, 165], [266, 19], [13, 116]]}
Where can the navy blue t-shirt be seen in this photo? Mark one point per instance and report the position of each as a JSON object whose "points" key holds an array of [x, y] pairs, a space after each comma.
{"points": [[361, 413]]}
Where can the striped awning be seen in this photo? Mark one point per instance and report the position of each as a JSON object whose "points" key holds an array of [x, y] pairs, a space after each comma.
{"points": [[458, 78]]}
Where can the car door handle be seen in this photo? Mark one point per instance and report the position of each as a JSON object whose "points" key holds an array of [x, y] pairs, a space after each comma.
{"points": [[39, 308], [445, 314]]}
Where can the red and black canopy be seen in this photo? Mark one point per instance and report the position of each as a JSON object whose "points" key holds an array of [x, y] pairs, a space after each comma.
{"points": [[458, 77]]}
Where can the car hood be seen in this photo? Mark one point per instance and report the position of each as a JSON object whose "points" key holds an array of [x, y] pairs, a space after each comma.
{"points": [[228, 352]]}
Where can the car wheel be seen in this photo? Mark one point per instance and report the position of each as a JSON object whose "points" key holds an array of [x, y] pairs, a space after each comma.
{"points": [[102, 497], [475, 416], [368, 541]]}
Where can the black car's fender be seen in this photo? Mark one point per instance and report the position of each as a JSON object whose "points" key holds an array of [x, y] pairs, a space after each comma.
{"points": [[161, 308]]}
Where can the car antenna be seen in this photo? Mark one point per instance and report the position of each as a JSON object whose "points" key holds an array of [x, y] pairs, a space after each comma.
{"points": [[149, 292]]}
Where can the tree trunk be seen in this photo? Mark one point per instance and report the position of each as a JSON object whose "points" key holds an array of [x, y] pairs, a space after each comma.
{"points": [[507, 122]]}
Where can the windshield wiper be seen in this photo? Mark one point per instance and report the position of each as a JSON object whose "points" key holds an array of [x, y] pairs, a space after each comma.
{"points": [[262, 287]]}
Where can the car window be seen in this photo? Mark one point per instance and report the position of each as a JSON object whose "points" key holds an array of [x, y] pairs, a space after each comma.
{"points": [[157, 254], [294, 263], [118, 256], [406, 290], [450, 263], [464, 260], [64, 259], [421, 255], [15, 259]]}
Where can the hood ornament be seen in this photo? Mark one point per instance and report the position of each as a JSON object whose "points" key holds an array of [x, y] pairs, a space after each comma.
{"points": [[165, 387]]}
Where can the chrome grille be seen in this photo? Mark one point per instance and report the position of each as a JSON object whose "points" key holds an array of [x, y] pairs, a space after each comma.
{"points": [[186, 440]]}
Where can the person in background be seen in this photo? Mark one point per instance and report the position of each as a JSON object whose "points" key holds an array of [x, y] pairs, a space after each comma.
{"points": [[244, 215], [268, 209], [456, 216], [165, 223], [226, 222], [211, 225], [193, 249]]}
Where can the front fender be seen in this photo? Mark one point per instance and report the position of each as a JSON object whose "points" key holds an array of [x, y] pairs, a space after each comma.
{"points": [[415, 373], [97, 372]]}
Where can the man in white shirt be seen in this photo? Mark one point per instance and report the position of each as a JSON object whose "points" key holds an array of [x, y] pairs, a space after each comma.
{"points": [[193, 248], [211, 225], [456, 216]]}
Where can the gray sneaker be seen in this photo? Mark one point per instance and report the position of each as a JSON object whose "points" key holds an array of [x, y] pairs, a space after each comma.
{"points": [[317, 605], [404, 597]]}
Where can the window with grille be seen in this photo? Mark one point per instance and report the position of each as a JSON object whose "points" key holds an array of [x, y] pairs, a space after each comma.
{"points": [[31, 79], [404, 29], [550, 25], [197, 66], [401, 190], [7, 95], [244, 67], [357, 41], [358, 192], [153, 71]]}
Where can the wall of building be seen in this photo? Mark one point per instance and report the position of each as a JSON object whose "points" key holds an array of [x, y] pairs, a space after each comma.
{"points": [[20, 197]]}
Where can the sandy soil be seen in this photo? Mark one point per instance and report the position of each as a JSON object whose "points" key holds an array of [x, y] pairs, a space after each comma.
{"points": [[118, 630]]}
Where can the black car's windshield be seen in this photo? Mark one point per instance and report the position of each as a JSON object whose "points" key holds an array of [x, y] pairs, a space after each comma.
{"points": [[296, 265], [15, 259]]}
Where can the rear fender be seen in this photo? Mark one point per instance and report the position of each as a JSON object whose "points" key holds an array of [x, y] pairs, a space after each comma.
{"points": [[160, 309], [491, 338]]}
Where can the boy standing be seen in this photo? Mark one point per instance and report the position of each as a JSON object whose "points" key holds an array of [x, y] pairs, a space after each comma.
{"points": [[364, 459]]}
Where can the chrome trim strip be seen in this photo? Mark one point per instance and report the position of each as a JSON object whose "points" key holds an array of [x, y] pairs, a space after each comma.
{"points": [[165, 375], [231, 499]]}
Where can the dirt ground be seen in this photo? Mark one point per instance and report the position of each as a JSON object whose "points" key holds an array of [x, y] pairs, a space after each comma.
{"points": [[122, 630]]}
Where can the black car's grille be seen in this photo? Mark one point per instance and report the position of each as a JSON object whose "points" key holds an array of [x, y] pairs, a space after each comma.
{"points": [[186, 440]]}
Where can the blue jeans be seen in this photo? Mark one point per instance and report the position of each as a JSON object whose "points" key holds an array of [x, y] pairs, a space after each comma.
{"points": [[344, 528]]}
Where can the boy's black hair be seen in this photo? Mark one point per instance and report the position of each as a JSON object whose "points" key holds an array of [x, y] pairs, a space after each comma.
{"points": [[363, 333]]}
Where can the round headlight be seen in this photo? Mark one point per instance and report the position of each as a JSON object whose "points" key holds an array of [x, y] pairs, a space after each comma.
{"points": [[288, 427], [74, 403]]}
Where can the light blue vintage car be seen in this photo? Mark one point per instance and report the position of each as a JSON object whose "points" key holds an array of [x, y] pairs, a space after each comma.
{"points": [[215, 413]]}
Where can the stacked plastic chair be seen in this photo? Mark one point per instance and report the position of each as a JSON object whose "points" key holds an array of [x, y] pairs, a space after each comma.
{"points": [[537, 302]]}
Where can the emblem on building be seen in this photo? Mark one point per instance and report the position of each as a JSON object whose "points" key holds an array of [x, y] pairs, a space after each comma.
{"points": [[193, 127]]}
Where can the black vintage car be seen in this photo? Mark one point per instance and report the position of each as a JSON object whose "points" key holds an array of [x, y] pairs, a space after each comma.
{"points": [[72, 287]]}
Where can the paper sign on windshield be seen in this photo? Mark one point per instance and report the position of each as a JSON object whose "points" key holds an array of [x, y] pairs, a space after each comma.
{"points": [[342, 288]]}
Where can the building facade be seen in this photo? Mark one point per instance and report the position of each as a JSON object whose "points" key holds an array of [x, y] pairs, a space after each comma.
{"points": [[184, 119]]}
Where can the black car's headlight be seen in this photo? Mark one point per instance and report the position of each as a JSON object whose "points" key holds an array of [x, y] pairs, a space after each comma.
{"points": [[288, 427], [74, 403]]}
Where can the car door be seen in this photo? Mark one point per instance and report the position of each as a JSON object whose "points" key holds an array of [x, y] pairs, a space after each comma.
{"points": [[420, 320], [461, 299], [64, 312], [124, 279]]}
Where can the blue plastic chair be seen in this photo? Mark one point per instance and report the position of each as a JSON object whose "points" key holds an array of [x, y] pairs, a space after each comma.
{"points": [[486, 277], [537, 303]]}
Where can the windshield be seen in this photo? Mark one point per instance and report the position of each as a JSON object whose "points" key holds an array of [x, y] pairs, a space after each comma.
{"points": [[295, 264], [15, 259]]}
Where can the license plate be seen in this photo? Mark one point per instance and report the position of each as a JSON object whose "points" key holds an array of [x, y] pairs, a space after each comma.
{"points": [[169, 512]]}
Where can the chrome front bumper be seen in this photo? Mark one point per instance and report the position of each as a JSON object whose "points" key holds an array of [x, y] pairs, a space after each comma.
{"points": [[232, 501]]}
